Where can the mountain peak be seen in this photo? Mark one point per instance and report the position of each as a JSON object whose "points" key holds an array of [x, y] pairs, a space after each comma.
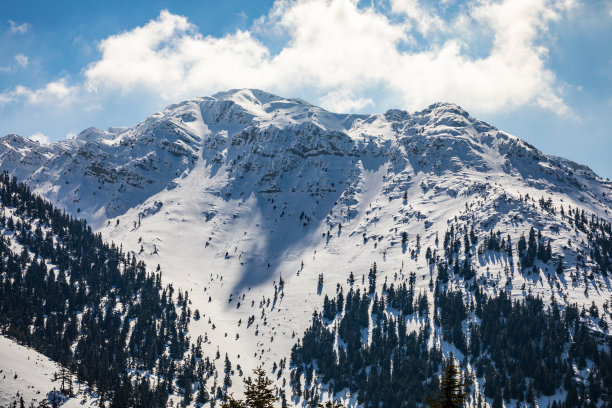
{"points": [[246, 96], [267, 139], [447, 107], [94, 133]]}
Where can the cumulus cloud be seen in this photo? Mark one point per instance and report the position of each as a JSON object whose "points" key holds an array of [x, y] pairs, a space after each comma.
{"points": [[425, 20], [55, 93], [40, 138], [15, 28], [22, 60], [168, 56], [346, 56], [344, 101]]}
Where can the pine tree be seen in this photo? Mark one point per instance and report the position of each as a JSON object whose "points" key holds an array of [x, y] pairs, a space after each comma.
{"points": [[531, 399], [497, 401], [451, 394], [202, 396], [559, 269], [258, 393], [331, 404], [230, 402], [227, 381]]}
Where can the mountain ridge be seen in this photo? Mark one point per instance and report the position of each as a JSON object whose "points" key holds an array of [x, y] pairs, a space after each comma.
{"points": [[186, 128]]}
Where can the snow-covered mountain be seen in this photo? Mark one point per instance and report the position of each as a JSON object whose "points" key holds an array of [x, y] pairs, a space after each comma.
{"points": [[274, 144], [229, 194]]}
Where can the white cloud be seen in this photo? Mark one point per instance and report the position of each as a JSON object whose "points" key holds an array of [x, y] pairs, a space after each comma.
{"points": [[57, 93], [168, 56], [344, 101], [16, 28], [425, 20], [40, 138], [346, 56], [22, 60]]}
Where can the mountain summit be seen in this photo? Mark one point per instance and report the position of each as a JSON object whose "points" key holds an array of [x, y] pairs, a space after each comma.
{"points": [[259, 136]]}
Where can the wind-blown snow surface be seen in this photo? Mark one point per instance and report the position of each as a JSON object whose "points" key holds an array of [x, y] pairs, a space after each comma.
{"points": [[228, 193]]}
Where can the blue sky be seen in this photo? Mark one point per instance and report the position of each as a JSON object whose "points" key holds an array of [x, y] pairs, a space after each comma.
{"points": [[540, 69]]}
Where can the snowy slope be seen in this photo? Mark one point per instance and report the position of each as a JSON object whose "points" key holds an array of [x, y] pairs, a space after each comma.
{"points": [[230, 193], [30, 375]]}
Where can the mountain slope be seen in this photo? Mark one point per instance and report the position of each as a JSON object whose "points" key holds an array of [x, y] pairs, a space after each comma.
{"points": [[88, 306], [233, 192]]}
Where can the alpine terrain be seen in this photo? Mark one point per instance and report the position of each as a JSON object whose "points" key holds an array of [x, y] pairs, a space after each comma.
{"points": [[347, 255]]}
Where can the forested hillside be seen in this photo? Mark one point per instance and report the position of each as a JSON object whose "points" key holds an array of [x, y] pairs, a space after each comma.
{"points": [[91, 307], [388, 346]]}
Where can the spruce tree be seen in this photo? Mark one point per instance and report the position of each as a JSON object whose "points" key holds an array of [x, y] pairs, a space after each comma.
{"points": [[258, 392], [331, 404], [230, 402], [451, 394], [497, 401]]}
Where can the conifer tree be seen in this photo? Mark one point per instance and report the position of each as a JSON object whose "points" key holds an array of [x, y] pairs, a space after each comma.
{"points": [[230, 402], [331, 404], [451, 394], [497, 400], [258, 392]]}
